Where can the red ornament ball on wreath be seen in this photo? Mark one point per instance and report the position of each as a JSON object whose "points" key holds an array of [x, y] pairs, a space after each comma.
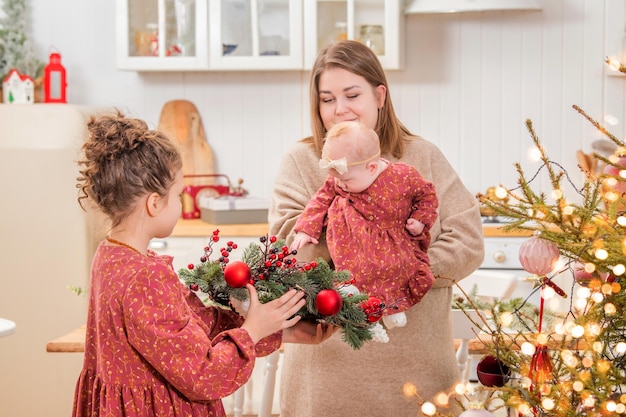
{"points": [[538, 255], [237, 274], [328, 302]]}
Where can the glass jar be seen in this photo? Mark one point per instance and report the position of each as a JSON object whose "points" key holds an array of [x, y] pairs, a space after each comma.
{"points": [[372, 36], [146, 40], [341, 31]]}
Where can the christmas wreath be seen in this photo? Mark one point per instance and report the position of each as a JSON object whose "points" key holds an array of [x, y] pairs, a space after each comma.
{"points": [[273, 269]]}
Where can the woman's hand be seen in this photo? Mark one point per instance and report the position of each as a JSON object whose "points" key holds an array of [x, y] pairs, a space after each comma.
{"points": [[308, 333], [263, 320]]}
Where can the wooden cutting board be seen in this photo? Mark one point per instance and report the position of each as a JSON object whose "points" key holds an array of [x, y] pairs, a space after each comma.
{"points": [[181, 121]]}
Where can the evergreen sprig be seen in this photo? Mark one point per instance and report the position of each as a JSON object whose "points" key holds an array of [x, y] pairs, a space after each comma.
{"points": [[272, 279], [16, 50]]}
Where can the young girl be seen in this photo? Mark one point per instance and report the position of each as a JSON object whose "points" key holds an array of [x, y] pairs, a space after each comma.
{"points": [[152, 347], [378, 216]]}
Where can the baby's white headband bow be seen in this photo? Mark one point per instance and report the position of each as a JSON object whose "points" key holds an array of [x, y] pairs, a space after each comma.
{"points": [[341, 165]]}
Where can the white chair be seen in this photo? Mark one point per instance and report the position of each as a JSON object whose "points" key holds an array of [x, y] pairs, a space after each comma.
{"points": [[269, 383], [489, 285], [243, 399]]}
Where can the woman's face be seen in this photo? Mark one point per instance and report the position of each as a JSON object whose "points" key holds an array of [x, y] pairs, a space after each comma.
{"points": [[345, 96]]}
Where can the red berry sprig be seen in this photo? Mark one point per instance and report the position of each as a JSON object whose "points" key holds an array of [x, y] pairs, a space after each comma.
{"points": [[225, 252], [373, 308], [274, 259], [208, 249]]}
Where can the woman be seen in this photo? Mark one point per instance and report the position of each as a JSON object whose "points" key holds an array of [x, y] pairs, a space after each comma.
{"points": [[330, 379]]}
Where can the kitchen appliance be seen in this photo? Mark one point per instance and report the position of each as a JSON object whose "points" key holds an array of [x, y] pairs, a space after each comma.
{"points": [[193, 193], [502, 255]]}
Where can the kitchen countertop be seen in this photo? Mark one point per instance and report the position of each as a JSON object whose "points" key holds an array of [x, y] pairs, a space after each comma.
{"points": [[495, 230], [199, 228], [74, 342]]}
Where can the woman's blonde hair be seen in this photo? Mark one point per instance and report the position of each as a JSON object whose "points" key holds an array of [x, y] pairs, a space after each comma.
{"points": [[357, 58]]}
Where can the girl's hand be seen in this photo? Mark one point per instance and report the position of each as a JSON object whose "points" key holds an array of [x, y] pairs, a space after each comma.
{"points": [[263, 320], [308, 333]]}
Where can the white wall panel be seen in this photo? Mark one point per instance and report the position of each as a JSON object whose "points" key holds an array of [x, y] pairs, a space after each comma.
{"points": [[470, 82]]}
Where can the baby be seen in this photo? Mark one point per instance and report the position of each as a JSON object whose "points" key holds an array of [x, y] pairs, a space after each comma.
{"points": [[377, 215]]}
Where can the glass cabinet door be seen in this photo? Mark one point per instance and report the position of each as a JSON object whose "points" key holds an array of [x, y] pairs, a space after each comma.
{"points": [[376, 23], [162, 34], [255, 34]]}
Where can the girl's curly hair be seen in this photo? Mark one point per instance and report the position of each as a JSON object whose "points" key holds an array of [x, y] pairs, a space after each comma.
{"points": [[124, 160]]}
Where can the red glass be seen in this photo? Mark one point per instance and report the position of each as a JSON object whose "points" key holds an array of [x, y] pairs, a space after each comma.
{"points": [[540, 366]]}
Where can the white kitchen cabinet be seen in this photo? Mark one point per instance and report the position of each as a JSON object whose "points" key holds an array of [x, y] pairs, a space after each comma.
{"points": [[162, 35], [378, 23], [255, 34], [197, 35]]}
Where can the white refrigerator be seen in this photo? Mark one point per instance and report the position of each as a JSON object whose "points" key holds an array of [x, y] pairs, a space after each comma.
{"points": [[46, 246]]}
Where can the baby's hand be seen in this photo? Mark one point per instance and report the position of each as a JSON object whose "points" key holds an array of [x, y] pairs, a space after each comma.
{"points": [[414, 227], [301, 240]]}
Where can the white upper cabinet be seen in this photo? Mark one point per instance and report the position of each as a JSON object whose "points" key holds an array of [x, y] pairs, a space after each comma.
{"points": [[196, 35], [255, 34], [162, 35], [377, 23]]}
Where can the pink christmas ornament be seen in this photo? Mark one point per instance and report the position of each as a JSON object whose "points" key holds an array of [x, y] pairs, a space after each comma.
{"points": [[538, 255]]}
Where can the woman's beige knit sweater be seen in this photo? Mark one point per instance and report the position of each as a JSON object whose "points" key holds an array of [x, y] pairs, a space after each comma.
{"points": [[333, 380]]}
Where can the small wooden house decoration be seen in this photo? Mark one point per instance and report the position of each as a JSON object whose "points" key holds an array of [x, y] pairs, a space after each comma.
{"points": [[18, 88]]}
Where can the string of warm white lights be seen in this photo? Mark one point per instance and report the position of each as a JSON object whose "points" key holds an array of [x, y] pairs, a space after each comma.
{"points": [[578, 366]]}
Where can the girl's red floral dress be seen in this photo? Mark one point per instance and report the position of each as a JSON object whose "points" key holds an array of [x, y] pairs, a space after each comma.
{"points": [[153, 348]]}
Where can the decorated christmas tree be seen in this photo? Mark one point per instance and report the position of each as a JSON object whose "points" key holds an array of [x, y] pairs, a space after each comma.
{"points": [[577, 366], [16, 50], [273, 269]]}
